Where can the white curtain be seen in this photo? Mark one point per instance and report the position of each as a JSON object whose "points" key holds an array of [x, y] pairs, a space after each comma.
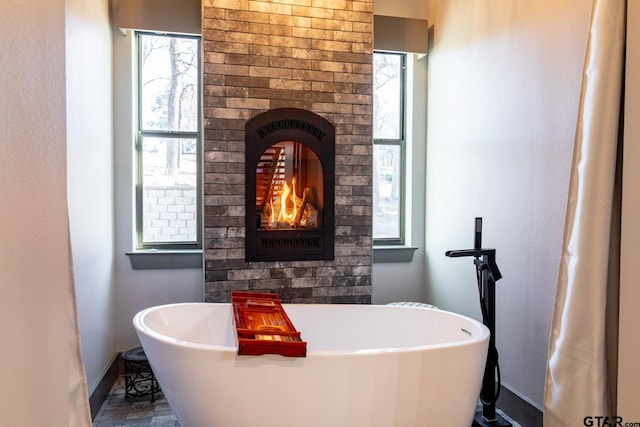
{"points": [[581, 370]]}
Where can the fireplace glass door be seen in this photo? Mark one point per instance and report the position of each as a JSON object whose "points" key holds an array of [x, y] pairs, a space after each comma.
{"points": [[289, 188]]}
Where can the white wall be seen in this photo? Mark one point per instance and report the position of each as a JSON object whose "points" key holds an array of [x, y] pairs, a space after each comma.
{"points": [[504, 84], [136, 289], [90, 179], [36, 282]]}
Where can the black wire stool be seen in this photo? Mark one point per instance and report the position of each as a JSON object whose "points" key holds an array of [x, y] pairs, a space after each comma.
{"points": [[138, 377]]}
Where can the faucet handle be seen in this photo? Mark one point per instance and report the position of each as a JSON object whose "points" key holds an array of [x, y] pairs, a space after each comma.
{"points": [[470, 252], [489, 261]]}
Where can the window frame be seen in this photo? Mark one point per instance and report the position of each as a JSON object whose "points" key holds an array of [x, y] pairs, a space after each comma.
{"points": [[402, 143], [141, 133]]}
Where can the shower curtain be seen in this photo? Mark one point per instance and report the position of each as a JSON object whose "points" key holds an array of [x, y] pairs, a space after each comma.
{"points": [[581, 370], [79, 410]]}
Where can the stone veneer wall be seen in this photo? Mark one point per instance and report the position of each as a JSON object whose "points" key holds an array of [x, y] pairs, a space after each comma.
{"points": [[310, 54]]}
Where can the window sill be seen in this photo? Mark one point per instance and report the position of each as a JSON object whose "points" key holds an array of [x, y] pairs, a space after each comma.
{"points": [[387, 254], [168, 260], [165, 259]]}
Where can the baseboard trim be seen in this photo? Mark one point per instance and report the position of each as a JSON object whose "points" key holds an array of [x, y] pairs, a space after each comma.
{"points": [[101, 392], [518, 409]]}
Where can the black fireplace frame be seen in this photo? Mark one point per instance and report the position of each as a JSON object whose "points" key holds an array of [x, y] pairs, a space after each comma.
{"points": [[317, 133]]}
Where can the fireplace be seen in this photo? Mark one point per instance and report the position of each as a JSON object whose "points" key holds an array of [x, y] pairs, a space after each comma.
{"points": [[294, 81], [290, 180]]}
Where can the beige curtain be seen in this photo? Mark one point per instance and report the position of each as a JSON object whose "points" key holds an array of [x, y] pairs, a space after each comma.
{"points": [[581, 370], [79, 410]]}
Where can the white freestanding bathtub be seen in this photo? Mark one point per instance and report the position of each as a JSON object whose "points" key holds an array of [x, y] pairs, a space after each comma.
{"points": [[366, 365]]}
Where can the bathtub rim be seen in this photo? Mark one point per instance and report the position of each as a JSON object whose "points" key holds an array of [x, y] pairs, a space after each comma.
{"points": [[142, 328]]}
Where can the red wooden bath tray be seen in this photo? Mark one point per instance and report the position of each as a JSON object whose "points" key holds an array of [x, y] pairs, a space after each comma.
{"points": [[263, 326]]}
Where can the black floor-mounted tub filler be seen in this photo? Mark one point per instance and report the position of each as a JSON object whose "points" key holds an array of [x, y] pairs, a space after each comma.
{"points": [[487, 274]]}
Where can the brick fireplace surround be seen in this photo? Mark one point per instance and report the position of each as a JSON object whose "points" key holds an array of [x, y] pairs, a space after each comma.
{"points": [[309, 54]]}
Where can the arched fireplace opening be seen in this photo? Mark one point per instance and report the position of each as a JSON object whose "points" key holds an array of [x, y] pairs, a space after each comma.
{"points": [[290, 186]]}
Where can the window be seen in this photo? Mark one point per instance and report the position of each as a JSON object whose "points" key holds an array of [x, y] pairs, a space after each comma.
{"points": [[388, 148], [168, 196]]}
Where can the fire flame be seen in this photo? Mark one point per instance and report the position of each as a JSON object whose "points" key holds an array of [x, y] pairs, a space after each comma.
{"points": [[288, 210], [288, 214]]}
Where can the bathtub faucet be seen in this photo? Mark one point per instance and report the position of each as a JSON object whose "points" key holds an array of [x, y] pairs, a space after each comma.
{"points": [[487, 275]]}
